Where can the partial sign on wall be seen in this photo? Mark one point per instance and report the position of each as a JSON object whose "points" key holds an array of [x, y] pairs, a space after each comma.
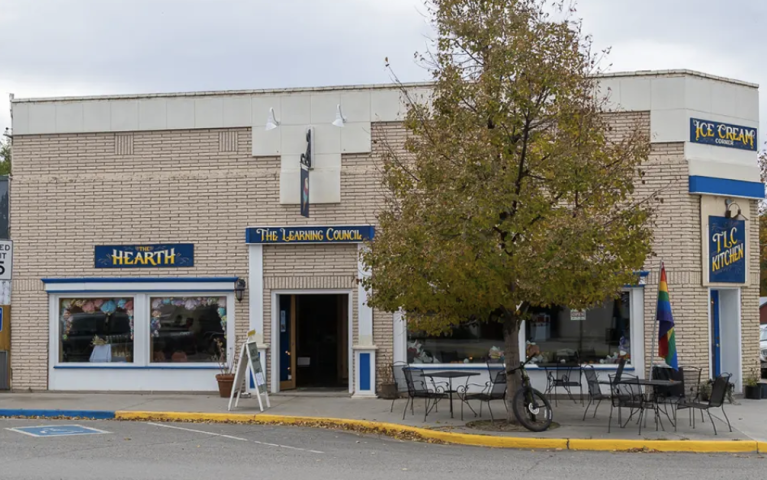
{"points": [[726, 250], [298, 235], [723, 134], [6, 260], [144, 256]]}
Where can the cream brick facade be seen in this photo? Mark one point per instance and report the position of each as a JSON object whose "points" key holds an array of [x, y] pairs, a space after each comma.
{"points": [[72, 191]]}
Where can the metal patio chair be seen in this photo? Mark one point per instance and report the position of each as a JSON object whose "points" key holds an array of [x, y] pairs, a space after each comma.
{"points": [[567, 377], [716, 400], [594, 390], [399, 379], [626, 393], [495, 389], [418, 387]]}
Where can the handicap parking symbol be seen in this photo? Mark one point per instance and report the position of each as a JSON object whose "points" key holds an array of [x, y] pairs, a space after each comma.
{"points": [[57, 430]]}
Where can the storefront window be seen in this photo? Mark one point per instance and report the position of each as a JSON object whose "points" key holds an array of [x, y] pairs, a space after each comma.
{"points": [[186, 329], [471, 342], [96, 330], [596, 336]]}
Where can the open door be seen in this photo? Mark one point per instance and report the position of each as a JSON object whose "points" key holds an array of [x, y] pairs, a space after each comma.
{"points": [[716, 342], [287, 325]]}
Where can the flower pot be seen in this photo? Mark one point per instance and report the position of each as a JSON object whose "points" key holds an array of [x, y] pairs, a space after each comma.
{"points": [[753, 392], [388, 391], [225, 383], [763, 388]]}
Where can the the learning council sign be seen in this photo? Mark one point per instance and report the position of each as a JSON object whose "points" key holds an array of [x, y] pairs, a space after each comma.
{"points": [[726, 250], [293, 235], [144, 256], [722, 134]]}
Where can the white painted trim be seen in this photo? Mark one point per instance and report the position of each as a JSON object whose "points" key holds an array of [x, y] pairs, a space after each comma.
{"points": [[274, 372], [400, 337], [364, 312], [350, 344], [637, 324], [256, 290], [170, 377]]}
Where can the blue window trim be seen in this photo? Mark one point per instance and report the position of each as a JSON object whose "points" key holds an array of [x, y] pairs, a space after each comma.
{"points": [[133, 290], [115, 367], [726, 187], [140, 280]]}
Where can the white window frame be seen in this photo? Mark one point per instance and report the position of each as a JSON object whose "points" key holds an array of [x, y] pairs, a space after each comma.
{"points": [[637, 326], [140, 292]]}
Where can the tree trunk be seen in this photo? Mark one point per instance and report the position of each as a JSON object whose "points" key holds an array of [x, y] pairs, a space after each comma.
{"points": [[511, 356]]}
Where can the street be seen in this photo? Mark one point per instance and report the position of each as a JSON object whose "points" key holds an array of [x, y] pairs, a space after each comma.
{"points": [[133, 450]]}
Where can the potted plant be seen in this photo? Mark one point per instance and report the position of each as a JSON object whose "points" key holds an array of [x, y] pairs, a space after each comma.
{"points": [[388, 386], [225, 379], [753, 390]]}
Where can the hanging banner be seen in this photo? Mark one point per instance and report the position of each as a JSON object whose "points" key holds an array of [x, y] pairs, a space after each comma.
{"points": [[722, 134], [726, 250], [307, 160], [340, 234], [144, 256]]}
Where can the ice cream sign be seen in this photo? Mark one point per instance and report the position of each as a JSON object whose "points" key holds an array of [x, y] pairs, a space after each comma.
{"points": [[723, 134]]}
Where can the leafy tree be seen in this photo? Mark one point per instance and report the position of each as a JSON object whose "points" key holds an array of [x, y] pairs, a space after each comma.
{"points": [[5, 157], [513, 191]]}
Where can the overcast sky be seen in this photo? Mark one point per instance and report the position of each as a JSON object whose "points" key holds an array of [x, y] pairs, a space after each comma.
{"points": [[85, 47]]}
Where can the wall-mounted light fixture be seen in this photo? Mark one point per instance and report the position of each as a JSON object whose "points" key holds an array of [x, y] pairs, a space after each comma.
{"points": [[239, 288], [340, 119], [271, 121], [728, 210]]}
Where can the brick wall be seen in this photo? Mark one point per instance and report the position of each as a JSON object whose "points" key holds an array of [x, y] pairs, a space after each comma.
{"points": [[71, 192]]}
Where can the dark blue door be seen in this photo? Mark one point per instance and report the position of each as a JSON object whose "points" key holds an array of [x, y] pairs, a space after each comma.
{"points": [[715, 334]]}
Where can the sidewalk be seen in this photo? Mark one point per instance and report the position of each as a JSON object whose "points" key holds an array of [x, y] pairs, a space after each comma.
{"points": [[748, 418]]}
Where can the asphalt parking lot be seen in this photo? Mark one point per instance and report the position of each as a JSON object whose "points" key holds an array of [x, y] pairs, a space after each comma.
{"points": [[147, 450]]}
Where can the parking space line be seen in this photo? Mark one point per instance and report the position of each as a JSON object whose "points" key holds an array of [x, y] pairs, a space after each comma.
{"points": [[233, 438]]}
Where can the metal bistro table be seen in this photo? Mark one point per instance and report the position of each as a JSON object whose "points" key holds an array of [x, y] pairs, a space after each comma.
{"points": [[450, 375]]}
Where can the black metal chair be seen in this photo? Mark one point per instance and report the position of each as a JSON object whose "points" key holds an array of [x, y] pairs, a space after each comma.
{"points": [[691, 377], [418, 387], [399, 379], [626, 393], [564, 377], [594, 390], [495, 389], [716, 400], [669, 397]]}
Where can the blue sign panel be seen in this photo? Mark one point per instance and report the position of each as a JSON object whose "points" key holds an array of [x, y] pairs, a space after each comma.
{"points": [[57, 431], [144, 256], [288, 235], [726, 250], [722, 134]]}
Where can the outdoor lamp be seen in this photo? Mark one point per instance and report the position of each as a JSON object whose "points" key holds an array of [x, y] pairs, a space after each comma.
{"points": [[728, 212], [271, 121], [239, 287], [340, 119]]}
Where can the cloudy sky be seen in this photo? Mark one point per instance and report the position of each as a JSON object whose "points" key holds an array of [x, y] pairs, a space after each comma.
{"points": [[79, 47]]}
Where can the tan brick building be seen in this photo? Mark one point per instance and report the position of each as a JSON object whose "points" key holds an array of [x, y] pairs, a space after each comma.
{"points": [[105, 189]]}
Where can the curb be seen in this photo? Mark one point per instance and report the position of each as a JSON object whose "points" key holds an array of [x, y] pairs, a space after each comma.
{"points": [[88, 414], [411, 433]]}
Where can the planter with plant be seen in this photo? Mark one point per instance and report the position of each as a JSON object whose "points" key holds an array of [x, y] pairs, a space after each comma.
{"points": [[388, 387], [224, 378], [753, 389]]}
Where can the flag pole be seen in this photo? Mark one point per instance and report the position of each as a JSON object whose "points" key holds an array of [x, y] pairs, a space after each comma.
{"points": [[655, 324]]}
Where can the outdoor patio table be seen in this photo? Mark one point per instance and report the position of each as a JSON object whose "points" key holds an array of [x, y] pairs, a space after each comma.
{"points": [[450, 375]]}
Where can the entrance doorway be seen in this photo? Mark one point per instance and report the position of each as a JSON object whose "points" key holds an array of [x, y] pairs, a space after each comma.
{"points": [[313, 337], [726, 335]]}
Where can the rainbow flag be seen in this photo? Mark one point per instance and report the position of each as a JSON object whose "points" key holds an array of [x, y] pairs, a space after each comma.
{"points": [[666, 338]]}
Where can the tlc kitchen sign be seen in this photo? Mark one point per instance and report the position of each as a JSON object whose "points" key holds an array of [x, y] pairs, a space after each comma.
{"points": [[722, 134], [144, 256], [726, 250]]}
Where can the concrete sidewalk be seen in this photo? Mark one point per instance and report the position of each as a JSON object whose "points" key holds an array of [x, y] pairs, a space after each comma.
{"points": [[748, 418]]}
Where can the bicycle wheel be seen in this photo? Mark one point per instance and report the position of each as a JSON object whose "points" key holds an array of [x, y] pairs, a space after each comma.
{"points": [[532, 409]]}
